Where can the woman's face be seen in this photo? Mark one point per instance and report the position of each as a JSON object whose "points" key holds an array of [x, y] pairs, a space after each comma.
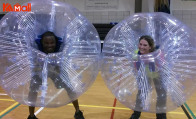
{"points": [[49, 44], [144, 47]]}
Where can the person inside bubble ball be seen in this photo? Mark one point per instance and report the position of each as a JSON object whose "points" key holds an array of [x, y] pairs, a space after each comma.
{"points": [[145, 46], [49, 43]]}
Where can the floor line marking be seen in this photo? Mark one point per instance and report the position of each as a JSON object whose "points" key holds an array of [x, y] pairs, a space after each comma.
{"points": [[7, 100], [3, 94], [38, 111], [119, 108], [9, 109], [106, 107], [113, 110], [190, 111]]}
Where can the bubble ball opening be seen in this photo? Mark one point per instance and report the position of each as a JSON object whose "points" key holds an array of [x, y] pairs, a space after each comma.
{"points": [[34, 78], [157, 82]]}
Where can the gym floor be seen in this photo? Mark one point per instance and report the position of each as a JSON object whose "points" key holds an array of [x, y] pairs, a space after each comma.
{"points": [[97, 103]]}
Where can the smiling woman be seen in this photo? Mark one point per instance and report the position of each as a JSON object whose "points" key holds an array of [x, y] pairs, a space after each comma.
{"points": [[146, 44], [144, 79]]}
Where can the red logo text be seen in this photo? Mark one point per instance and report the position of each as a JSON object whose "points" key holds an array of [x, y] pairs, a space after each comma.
{"points": [[16, 8]]}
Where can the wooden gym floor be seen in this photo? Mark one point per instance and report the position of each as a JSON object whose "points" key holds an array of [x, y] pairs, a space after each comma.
{"points": [[96, 103]]}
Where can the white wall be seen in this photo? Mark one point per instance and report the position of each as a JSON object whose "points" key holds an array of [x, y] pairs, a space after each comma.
{"points": [[185, 11], [124, 5], [148, 5], [124, 9], [183, 5]]}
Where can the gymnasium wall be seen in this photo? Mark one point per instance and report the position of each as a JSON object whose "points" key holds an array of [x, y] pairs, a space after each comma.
{"points": [[117, 11], [185, 11], [120, 9]]}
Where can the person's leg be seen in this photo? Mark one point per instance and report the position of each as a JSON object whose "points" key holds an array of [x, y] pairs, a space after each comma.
{"points": [[71, 94], [138, 101], [161, 115], [76, 105], [78, 113], [138, 105], [31, 111], [135, 115], [66, 84], [32, 97], [161, 99]]}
